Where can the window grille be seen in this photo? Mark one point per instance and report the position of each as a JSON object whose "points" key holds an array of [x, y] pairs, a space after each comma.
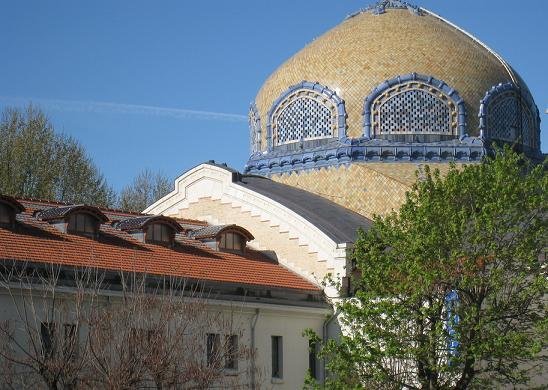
{"points": [[503, 120], [414, 108], [306, 114], [304, 118]]}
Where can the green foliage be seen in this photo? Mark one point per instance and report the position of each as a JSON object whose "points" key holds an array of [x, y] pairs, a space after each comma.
{"points": [[35, 162], [480, 232], [145, 189]]}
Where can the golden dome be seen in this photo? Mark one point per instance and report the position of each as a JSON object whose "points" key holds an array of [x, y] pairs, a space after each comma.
{"points": [[366, 49]]}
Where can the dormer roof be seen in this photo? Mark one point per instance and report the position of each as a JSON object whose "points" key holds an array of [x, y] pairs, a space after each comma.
{"points": [[140, 223], [215, 230], [63, 212]]}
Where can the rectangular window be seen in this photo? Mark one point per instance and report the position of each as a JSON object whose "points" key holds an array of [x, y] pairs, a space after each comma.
{"points": [[312, 359], [277, 357], [47, 338], [82, 223], [231, 357], [5, 214], [213, 346], [70, 343]]}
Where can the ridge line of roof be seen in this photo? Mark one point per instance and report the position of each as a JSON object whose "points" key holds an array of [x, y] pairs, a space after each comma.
{"points": [[506, 66]]}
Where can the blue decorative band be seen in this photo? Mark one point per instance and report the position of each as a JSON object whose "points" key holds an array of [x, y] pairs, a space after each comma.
{"points": [[466, 149], [439, 85]]}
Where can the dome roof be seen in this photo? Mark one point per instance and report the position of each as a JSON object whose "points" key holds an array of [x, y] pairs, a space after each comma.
{"points": [[391, 82], [367, 48]]}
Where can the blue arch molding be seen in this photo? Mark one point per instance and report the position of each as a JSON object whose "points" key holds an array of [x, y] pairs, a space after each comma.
{"points": [[253, 109], [320, 89], [523, 95], [345, 150], [403, 79]]}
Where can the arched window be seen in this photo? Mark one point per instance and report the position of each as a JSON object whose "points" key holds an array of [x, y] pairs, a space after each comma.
{"points": [[82, 223], [254, 130], [305, 112], [505, 115], [414, 105]]}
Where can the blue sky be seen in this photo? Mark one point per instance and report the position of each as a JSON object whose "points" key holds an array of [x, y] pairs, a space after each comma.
{"points": [[167, 84]]}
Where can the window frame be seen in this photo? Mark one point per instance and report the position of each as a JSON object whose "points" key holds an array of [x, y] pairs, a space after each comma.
{"points": [[74, 220], [321, 93], [232, 351], [277, 357], [413, 81], [48, 332], [213, 348], [222, 240], [6, 210], [164, 230]]}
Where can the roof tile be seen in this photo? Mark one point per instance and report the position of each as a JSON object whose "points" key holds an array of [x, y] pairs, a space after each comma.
{"points": [[37, 241]]}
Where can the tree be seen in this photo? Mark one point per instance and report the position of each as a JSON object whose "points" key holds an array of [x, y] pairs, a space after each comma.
{"points": [[40, 341], [451, 289], [145, 189], [35, 162], [70, 328]]}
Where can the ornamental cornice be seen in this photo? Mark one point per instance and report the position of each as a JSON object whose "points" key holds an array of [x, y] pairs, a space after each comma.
{"points": [[381, 6]]}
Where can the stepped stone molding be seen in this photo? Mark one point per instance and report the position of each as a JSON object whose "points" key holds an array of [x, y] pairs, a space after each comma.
{"points": [[289, 251]]}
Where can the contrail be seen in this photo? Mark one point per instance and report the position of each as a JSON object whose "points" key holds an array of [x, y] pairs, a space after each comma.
{"points": [[128, 109]]}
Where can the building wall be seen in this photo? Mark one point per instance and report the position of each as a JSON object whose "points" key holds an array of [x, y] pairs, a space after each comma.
{"points": [[270, 320], [269, 236], [367, 188]]}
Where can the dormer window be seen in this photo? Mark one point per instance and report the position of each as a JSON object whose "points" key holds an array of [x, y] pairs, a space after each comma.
{"points": [[160, 234], [152, 229], [9, 207], [226, 238], [82, 223], [76, 219], [232, 241], [6, 214]]}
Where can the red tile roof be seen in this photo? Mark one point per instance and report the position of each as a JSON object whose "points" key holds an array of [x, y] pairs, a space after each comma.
{"points": [[37, 241]]}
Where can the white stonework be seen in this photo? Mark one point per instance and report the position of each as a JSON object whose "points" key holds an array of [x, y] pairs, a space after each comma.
{"points": [[215, 183]]}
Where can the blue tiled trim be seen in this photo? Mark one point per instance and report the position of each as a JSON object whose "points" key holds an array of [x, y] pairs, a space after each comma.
{"points": [[381, 6], [429, 80], [320, 89], [493, 93], [255, 111], [467, 149], [452, 320]]}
